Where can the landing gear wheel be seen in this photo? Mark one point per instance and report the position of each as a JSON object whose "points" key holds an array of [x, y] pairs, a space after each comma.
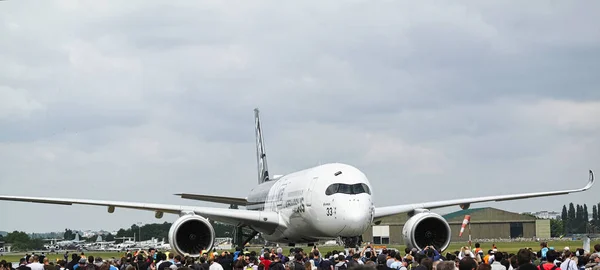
{"points": [[352, 242]]}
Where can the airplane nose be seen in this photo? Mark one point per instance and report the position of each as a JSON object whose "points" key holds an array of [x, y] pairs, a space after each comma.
{"points": [[357, 217]]}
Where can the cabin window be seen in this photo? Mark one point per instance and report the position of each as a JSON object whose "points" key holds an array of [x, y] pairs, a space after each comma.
{"points": [[337, 173], [347, 189]]}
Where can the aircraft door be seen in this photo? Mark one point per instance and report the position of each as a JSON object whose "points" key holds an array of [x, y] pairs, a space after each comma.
{"points": [[309, 192]]}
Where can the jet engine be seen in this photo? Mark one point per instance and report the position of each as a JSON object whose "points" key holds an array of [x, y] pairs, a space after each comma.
{"points": [[426, 229], [191, 234]]}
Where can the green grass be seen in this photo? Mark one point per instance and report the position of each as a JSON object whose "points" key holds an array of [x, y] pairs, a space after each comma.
{"points": [[510, 247], [15, 257]]}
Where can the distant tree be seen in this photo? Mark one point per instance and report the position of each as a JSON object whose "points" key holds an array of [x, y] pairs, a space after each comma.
{"points": [[36, 244], [123, 233], [565, 219], [556, 228], [19, 240], [578, 219], [155, 230], [110, 237], [598, 221], [586, 215], [17, 237], [2, 237], [134, 231], [595, 222], [571, 218], [68, 235]]}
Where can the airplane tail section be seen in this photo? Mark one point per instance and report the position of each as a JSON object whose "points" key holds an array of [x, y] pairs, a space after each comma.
{"points": [[261, 156], [76, 237]]}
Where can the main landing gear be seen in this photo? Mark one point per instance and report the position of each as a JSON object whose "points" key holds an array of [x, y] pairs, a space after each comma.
{"points": [[241, 237], [352, 242]]}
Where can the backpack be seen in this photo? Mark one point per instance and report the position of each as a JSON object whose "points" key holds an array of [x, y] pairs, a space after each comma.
{"points": [[343, 267]]}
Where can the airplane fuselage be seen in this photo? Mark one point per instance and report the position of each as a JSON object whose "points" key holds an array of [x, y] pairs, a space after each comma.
{"points": [[318, 203]]}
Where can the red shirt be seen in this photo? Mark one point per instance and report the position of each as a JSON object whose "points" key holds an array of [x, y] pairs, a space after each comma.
{"points": [[266, 263]]}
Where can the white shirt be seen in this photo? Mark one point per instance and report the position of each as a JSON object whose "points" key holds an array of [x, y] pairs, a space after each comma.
{"points": [[497, 266], [213, 266], [36, 266], [568, 264]]}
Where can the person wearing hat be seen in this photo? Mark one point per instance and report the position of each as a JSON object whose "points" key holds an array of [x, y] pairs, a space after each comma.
{"points": [[594, 262], [81, 264], [381, 261], [465, 252]]}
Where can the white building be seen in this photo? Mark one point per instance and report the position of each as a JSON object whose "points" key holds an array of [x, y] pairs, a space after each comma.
{"points": [[547, 214]]}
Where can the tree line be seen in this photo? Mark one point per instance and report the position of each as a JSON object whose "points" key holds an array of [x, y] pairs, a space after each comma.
{"points": [[161, 230], [21, 241], [146, 232], [574, 219]]}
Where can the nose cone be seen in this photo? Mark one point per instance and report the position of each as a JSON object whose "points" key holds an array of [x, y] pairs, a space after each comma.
{"points": [[357, 216]]}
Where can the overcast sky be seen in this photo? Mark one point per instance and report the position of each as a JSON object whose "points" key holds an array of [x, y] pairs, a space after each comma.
{"points": [[138, 100]]}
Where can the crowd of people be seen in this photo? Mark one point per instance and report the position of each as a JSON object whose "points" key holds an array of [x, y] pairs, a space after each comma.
{"points": [[367, 258]]}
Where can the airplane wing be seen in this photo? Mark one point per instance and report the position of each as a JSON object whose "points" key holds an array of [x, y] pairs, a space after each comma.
{"points": [[259, 220], [215, 199], [381, 212]]}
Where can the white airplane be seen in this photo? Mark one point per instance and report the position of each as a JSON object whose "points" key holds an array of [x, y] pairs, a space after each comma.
{"points": [[331, 201], [75, 241], [55, 244]]}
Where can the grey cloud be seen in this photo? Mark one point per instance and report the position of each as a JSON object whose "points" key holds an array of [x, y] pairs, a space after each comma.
{"points": [[121, 101], [64, 118]]}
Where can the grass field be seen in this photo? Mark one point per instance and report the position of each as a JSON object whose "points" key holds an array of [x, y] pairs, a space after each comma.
{"points": [[510, 247]]}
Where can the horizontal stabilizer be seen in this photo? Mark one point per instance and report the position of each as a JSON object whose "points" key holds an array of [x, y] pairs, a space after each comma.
{"points": [[215, 199]]}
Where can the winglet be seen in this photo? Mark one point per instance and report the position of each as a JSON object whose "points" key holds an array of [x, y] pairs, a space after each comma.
{"points": [[590, 182]]}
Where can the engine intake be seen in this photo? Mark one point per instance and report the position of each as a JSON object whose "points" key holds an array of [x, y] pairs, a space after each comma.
{"points": [[426, 229], [190, 235]]}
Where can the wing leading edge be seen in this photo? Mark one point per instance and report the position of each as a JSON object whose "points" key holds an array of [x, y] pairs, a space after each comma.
{"points": [[381, 212], [259, 220]]}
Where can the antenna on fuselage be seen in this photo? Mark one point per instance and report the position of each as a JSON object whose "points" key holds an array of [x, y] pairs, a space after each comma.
{"points": [[261, 154]]}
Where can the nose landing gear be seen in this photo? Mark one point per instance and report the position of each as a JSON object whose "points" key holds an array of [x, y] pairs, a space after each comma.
{"points": [[352, 242]]}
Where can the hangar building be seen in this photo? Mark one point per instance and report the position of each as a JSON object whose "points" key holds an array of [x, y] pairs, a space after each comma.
{"points": [[486, 223]]}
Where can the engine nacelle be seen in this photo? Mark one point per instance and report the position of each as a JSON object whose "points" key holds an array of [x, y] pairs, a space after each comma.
{"points": [[426, 229], [190, 235]]}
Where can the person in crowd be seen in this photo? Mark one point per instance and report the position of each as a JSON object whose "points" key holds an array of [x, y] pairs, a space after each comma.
{"points": [[569, 262]]}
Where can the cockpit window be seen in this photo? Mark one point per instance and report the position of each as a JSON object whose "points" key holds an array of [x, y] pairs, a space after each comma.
{"points": [[347, 189]]}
